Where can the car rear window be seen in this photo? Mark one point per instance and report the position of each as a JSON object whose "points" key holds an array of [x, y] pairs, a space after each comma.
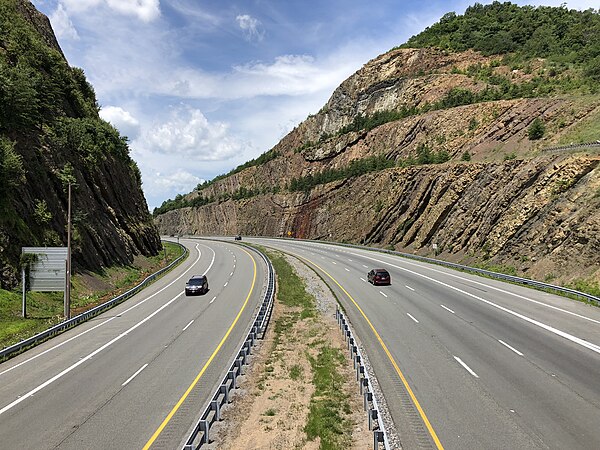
{"points": [[383, 274], [196, 281]]}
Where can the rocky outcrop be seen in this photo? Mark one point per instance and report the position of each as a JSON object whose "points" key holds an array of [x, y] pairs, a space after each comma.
{"points": [[539, 215]]}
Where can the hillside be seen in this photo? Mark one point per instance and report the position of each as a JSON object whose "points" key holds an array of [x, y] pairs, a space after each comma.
{"points": [[51, 136], [440, 141]]}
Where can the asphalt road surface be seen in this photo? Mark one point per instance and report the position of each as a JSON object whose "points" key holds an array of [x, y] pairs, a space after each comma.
{"points": [[466, 362], [121, 380]]}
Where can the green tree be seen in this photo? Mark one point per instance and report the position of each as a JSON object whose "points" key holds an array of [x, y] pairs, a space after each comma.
{"points": [[537, 129], [12, 172]]}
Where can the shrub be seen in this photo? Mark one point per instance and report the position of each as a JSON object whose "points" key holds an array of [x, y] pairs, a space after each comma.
{"points": [[536, 130]]}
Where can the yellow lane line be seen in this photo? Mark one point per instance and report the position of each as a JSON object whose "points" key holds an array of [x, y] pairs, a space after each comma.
{"points": [[189, 389], [391, 358]]}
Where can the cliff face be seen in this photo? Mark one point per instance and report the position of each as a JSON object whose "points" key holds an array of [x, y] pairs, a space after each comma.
{"points": [[499, 198], [50, 136], [540, 215]]}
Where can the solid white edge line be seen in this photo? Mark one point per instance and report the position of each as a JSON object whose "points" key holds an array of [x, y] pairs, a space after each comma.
{"points": [[411, 316], [141, 302], [408, 287], [447, 309], [188, 325], [509, 347], [82, 360], [467, 368], [134, 375]]}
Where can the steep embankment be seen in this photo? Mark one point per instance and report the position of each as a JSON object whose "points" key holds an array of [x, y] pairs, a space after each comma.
{"points": [[466, 132], [50, 137]]}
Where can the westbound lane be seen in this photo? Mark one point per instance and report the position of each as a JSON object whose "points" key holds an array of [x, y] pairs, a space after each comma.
{"points": [[115, 379], [492, 365]]}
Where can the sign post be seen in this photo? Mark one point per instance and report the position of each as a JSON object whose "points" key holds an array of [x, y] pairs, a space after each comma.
{"points": [[47, 270]]}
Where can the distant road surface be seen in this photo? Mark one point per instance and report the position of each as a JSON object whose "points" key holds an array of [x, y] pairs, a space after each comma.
{"points": [[467, 362], [111, 382]]}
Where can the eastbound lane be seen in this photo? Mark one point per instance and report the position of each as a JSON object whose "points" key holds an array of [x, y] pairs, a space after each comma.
{"points": [[492, 365], [112, 381]]}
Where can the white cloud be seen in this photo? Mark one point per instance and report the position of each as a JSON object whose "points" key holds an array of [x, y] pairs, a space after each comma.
{"points": [[167, 185], [121, 119], [145, 10], [251, 27], [188, 135], [63, 27]]}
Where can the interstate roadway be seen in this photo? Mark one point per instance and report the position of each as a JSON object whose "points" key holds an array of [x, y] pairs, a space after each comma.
{"points": [[466, 362], [120, 380]]}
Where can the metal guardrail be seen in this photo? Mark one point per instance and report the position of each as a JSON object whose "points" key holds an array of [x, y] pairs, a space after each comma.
{"points": [[369, 402], [200, 433], [572, 146], [8, 352]]}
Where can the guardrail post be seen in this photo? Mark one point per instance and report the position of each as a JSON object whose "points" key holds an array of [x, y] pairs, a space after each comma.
{"points": [[204, 429], [377, 438], [372, 418], [216, 408], [368, 397], [223, 390], [232, 375], [364, 385]]}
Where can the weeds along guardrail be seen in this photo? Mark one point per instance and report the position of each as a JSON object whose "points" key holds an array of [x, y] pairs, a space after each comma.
{"points": [[11, 351], [200, 433], [366, 389], [572, 147]]}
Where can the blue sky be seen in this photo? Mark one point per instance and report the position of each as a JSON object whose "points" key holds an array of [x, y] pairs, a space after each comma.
{"points": [[201, 86]]}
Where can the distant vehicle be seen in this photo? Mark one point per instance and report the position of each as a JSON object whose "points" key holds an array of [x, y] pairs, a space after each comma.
{"points": [[196, 285], [379, 276], [238, 238]]}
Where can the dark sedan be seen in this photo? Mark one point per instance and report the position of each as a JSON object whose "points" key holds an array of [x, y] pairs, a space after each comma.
{"points": [[379, 276], [196, 285]]}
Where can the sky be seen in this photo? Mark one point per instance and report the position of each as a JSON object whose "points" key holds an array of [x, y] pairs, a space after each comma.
{"points": [[201, 86]]}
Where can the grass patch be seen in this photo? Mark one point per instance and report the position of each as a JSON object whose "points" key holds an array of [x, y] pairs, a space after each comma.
{"points": [[587, 130], [329, 402], [45, 309], [270, 412], [292, 290], [296, 372]]}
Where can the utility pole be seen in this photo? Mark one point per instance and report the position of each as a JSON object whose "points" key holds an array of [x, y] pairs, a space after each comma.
{"points": [[68, 286]]}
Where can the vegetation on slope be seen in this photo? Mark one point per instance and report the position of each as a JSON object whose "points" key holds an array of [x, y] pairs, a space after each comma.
{"points": [[50, 131], [563, 36]]}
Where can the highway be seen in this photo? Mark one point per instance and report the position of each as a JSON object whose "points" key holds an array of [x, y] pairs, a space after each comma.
{"points": [[466, 362], [122, 379]]}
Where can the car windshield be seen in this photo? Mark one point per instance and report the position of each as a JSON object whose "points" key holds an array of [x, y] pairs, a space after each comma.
{"points": [[382, 274]]}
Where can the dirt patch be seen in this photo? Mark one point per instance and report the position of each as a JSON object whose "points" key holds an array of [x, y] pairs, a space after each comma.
{"points": [[271, 408]]}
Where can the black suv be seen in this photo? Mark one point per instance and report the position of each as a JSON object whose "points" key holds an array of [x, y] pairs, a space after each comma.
{"points": [[379, 276], [198, 284]]}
